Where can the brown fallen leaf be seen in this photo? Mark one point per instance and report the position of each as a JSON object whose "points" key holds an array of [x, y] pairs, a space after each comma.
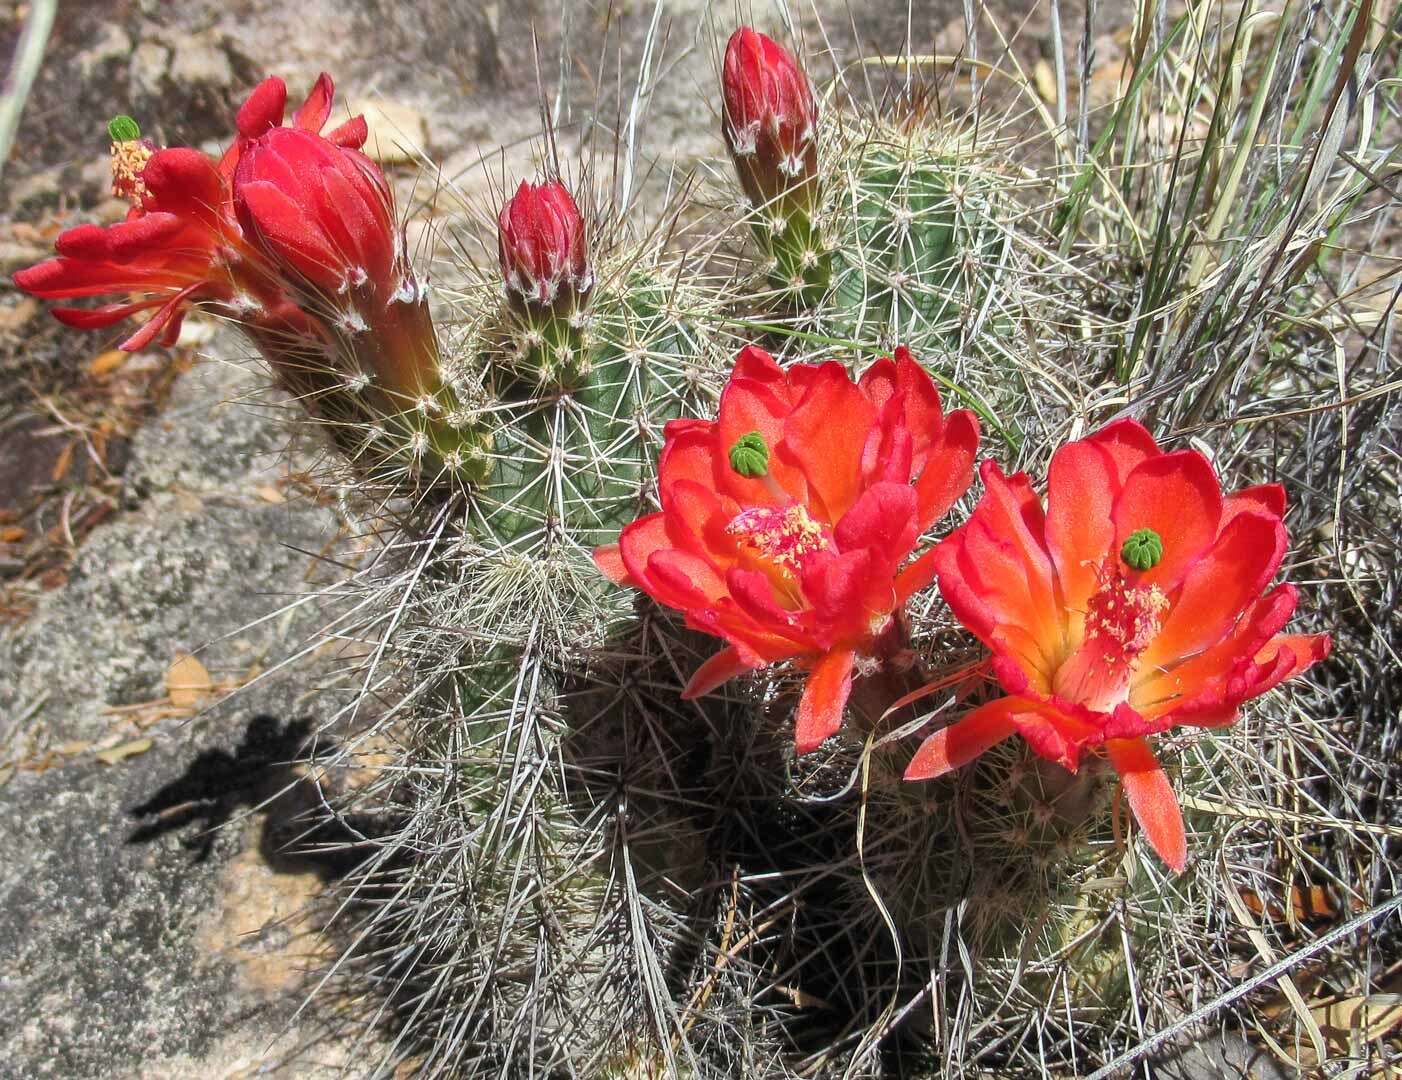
{"points": [[12, 534], [104, 364], [187, 682], [270, 494], [117, 754]]}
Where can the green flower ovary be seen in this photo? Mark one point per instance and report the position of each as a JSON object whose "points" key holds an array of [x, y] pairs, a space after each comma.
{"points": [[1142, 549], [750, 456]]}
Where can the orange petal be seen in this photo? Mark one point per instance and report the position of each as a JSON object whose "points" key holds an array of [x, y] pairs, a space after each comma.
{"points": [[609, 560], [965, 739], [1080, 531], [1151, 798], [948, 469], [820, 710], [824, 437], [1219, 587], [1178, 496], [722, 667]]}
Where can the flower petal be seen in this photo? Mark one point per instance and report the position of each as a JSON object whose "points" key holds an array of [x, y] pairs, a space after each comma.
{"points": [[720, 668], [958, 744], [824, 697], [1151, 798], [1081, 488], [1176, 495], [264, 108], [1219, 587], [824, 436], [314, 112], [609, 560], [948, 467]]}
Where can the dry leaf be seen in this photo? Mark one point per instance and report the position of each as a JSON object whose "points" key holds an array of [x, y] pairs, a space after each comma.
{"points": [[187, 682], [70, 749], [270, 494], [126, 750], [12, 534], [103, 364], [62, 463]]}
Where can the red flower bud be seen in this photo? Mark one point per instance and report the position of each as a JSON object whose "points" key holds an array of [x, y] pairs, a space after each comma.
{"points": [[320, 212], [542, 246], [769, 120]]}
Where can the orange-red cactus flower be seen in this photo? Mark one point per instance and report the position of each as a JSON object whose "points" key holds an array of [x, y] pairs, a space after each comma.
{"points": [[1130, 605], [787, 522], [181, 242]]}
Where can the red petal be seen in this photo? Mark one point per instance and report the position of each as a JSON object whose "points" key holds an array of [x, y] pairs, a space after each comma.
{"points": [[1158, 690], [720, 668], [264, 108], [184, 182], [955, 746], [916, 576], [1266, 499], [697, 520], [609, 560], [755, 399], [1055, 732], [1219, 587], [824, 436], [1176, 495], [352, 134], [1080, 532], [637, 542], [882, 521], [98, 317], [1151, 798], [824, 697], [316, 109], [948, 469], [285, 227], [1125, 444], [158, 321], [681, 580]]}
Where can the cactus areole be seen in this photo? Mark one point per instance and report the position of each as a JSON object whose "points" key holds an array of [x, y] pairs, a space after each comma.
{"points": [[787, 522], [1130, 605]]}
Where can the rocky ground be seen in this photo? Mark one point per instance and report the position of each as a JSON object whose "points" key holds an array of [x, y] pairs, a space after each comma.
{"points": [[152, 927]]}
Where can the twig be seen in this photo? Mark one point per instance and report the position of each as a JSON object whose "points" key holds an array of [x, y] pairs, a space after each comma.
{"points": [[29, 54]]}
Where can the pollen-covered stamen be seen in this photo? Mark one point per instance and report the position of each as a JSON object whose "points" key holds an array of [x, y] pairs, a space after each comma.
{"points": [[781, 539], [1121, 621], [130, 153], [1124, 618]]}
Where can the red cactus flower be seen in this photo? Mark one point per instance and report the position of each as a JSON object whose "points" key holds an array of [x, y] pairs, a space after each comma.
{"points": [[181, 242], [787, 521], [769, 120], [541, 243], [1131, 605]]}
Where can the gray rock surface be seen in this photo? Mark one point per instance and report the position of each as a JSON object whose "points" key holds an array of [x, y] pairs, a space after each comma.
{"points": [[159, 956]]}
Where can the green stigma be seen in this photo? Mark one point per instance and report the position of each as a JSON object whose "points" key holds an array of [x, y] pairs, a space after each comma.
{"points": [[1142, 549], [750, 456], [123, 128]]}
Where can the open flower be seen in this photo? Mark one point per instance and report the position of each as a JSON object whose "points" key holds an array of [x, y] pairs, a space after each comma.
{"points": [[181, 242], [770, 121], [787, 521], [1131, 605]]}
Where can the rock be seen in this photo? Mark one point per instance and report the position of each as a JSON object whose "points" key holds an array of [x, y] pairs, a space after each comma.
{"points": [[135, 946], [200, 60], [17, 256], [113, 44], [149, 63], [398, 133]]}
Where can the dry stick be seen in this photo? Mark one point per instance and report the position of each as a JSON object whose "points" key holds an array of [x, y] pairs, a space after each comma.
{"points": [[1277, 969], [29, 53]]}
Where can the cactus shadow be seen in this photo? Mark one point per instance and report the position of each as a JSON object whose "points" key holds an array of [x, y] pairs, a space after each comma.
{"points": [[301, 831]]}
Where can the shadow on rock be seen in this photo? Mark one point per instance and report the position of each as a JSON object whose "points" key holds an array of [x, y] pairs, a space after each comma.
{"points": [[301, 832]]}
